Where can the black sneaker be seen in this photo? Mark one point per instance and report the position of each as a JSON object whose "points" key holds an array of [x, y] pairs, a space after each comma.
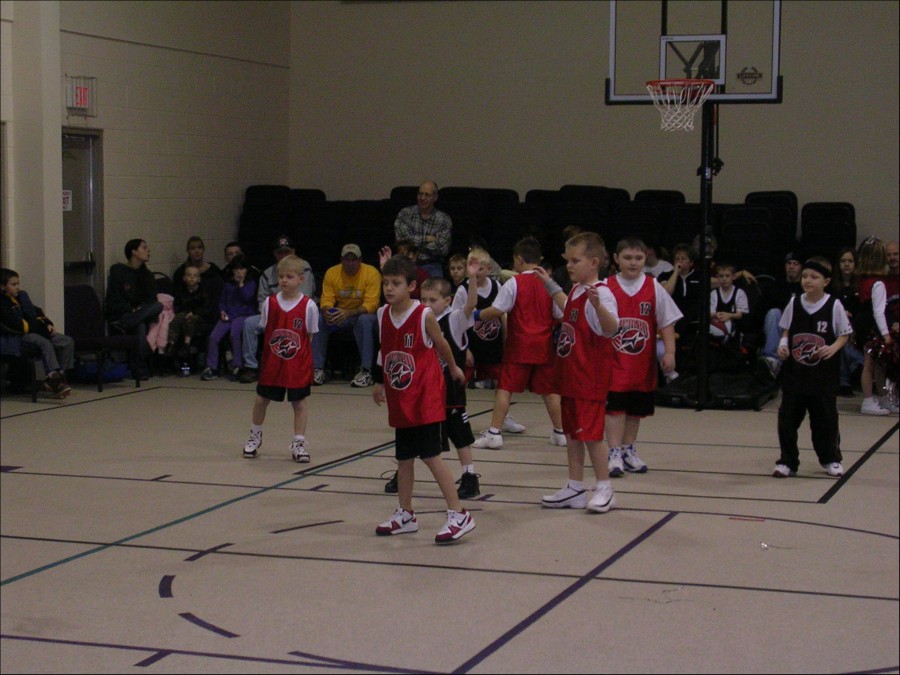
{"points": [[391, 486], [468, 486]]}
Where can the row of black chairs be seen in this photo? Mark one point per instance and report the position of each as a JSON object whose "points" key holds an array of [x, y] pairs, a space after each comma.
{"points": [[755, 235]]}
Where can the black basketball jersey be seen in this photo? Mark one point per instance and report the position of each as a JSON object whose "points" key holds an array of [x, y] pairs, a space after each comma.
{"points": [[486, 337], [456, 392], [804, 372], [730, 306]]}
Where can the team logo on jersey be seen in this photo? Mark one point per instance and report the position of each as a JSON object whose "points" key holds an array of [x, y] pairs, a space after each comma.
{"points": [[487, 330], [399, 369], [284, 343], [565, 343], [632, 337], [805, 348]]}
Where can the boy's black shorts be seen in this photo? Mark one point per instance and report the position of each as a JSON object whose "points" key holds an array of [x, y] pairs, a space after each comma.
{"points": [[632, 403], [423, 441], [456, 428], [277, 393]]}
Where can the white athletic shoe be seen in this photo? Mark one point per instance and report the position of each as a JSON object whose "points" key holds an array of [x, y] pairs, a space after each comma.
{"points": [[616, 465], [567, 498], [633, 463], [489, 440], [557, 438], [782, 471], [871, 406], [513, 427], [834, 469], [603, 500], [299, 453], [253, 444]]}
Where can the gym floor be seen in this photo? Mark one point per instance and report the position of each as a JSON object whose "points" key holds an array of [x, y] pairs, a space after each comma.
{"points": [[135, 538]]}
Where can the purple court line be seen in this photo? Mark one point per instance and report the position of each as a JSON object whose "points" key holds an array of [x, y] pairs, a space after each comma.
{"points": [[208, 626], [520, 627], [357, 665], [165, 586]]}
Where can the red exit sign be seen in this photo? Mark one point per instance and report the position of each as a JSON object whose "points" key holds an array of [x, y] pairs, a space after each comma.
{"points": [[82, 97]]}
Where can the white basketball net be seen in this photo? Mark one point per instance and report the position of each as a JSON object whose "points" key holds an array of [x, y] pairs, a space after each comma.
{"points": [[678, 100]]}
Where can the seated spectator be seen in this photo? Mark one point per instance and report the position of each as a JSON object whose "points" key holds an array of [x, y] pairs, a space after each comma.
{"points": [[351, 292], [232, 249], [268, 285], [26, 330], [845, 287], [775, 298], [210, 274], [683, 284], [657, 261], [195, 315], [429, 229], [131, 304], [238, 301], [727, 305]]}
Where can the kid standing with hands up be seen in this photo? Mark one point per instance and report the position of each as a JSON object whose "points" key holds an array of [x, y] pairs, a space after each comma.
{"points": [[410, 378], [583, 364]]}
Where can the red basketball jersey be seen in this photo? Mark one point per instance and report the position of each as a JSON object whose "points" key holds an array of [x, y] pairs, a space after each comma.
{"points": [[583, 358], [634, 344], [413, 378], [287, 352], [529, 325]]}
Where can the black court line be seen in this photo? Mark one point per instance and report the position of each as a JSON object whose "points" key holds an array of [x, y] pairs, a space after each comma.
{"points": [[542, 611], [160, 652], [197, 621], [303, 527], [303, 474], [856, 465], [73, 404]]}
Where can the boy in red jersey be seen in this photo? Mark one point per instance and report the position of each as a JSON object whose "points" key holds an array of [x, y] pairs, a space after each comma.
{"points": [[527, 300], [645, 308], [289, 319], [410, 378], [583, 361]]}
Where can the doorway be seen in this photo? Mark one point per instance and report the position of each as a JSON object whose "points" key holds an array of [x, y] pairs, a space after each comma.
{"points": [[82, 175]]}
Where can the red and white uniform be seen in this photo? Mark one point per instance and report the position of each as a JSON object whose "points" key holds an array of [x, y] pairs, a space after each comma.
{"points": [[287, 351], [529, 323], [583, 352], [413, 378], [644, 307]]}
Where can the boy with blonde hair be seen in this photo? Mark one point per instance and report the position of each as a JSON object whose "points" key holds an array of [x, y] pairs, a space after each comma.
{"points": [[583, 364], [289, 319]]}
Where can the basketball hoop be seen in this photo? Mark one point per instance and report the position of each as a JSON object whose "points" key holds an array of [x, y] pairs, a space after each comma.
{"points": [[678, 100]]}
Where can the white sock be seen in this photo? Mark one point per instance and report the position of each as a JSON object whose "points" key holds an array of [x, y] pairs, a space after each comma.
{"points": [[256, 428], [494, 430], [557, 431], [576, 484], [603, 483], [468, 468], [301, 437]]}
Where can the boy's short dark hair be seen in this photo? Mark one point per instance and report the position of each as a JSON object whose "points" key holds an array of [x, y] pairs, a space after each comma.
{"points": [[727, 266], [400, 266], [630, 242], [457, 258], [529, 249], [439, 284], [407, 244], [6, 274]]}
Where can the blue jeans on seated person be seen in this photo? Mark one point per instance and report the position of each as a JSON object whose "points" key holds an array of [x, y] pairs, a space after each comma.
{"points": [[773, 333], [250, 341], [363, 328]]}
